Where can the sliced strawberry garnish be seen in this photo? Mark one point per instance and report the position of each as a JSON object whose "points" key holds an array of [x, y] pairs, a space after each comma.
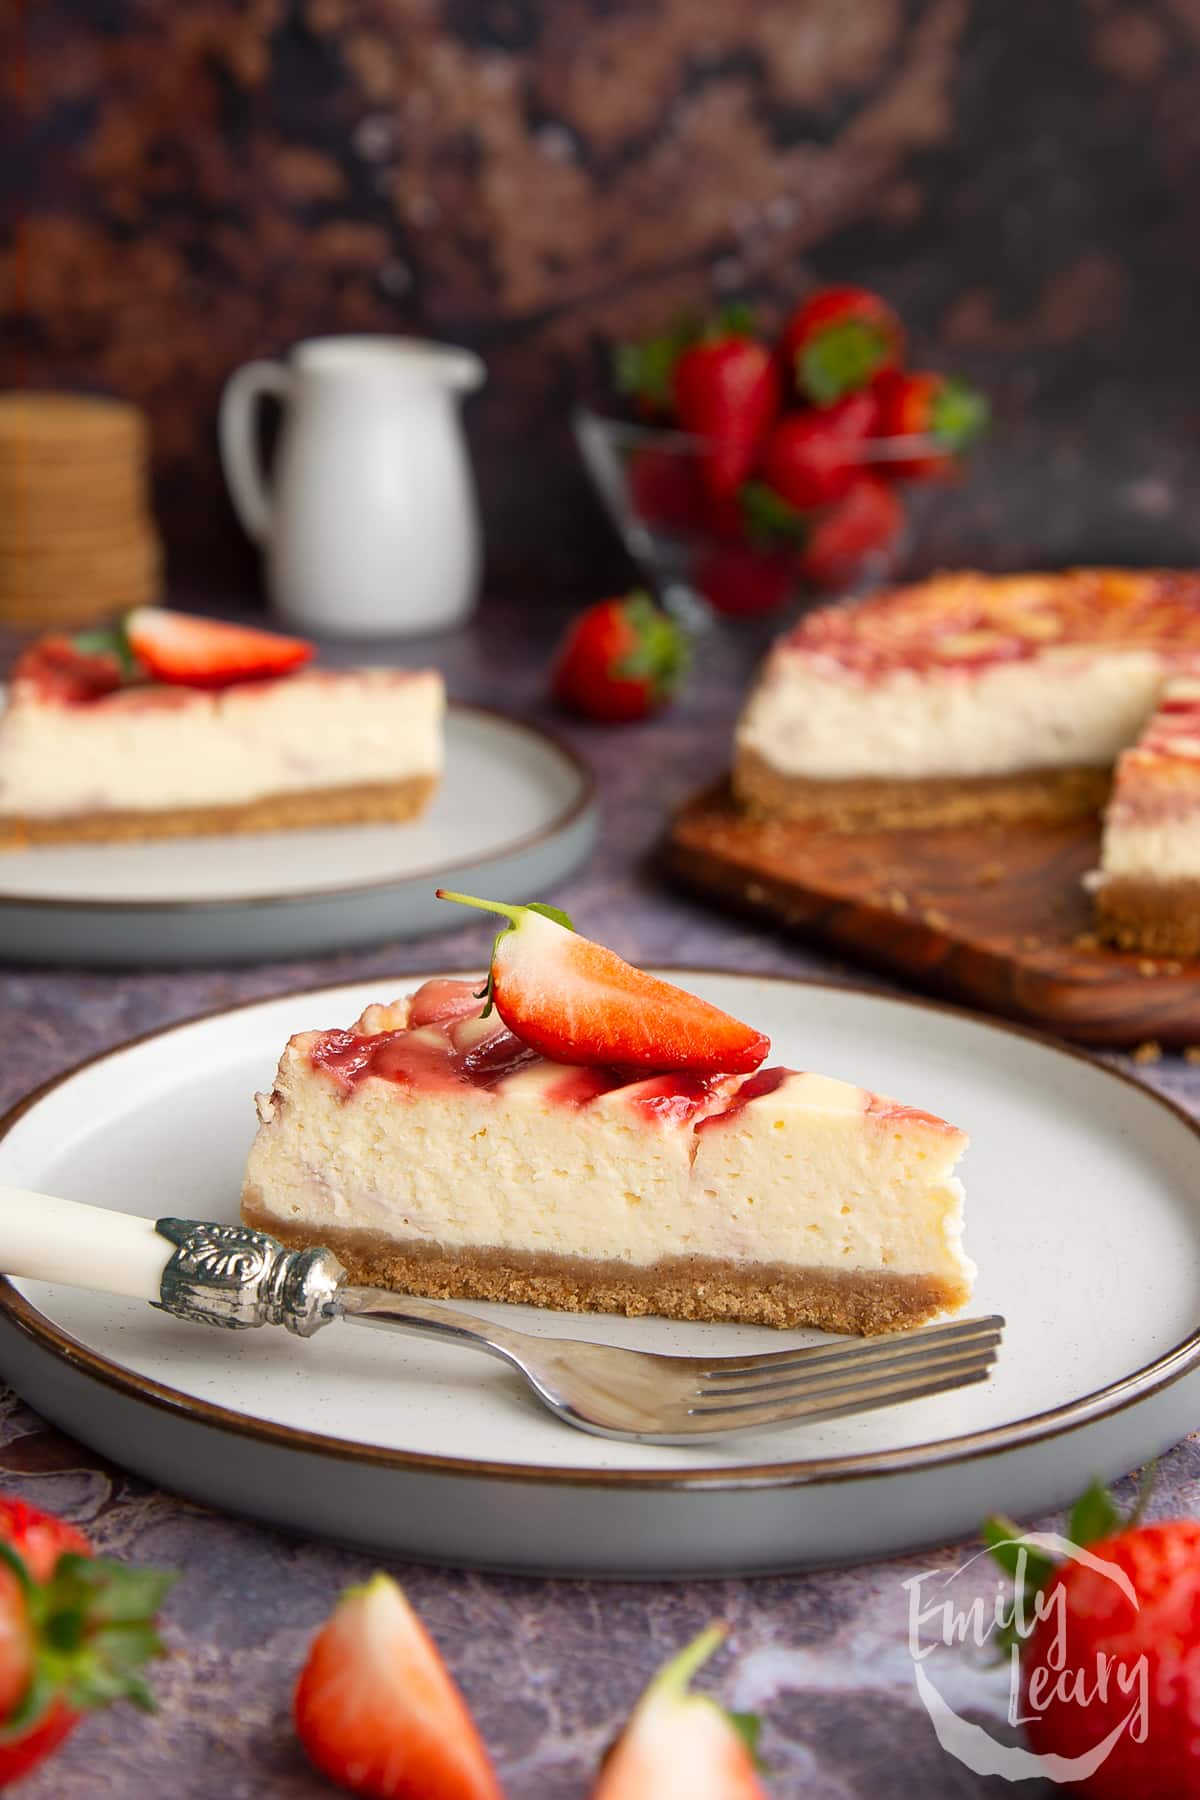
{"points": [[377, 1711], [178, 648], [68, 670], [577, 1002], [682, 1746]]}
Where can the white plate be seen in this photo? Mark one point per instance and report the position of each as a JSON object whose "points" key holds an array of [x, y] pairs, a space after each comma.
{"points": [[514, 810], [1083, 1207]]}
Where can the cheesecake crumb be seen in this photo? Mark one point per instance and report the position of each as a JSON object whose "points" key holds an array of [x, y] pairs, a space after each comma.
{"points": [[1031, 941], [1191, 1053], [935, 919], [1172, 968], [991, 873], [897, 900], [1087, 940], [1147, 968], [755, 892], [1149, 1052]]}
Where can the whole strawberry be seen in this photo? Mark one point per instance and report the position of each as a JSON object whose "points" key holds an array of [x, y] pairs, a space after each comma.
{"points": [[865, 523], [726, 392], [812, 457], [839, 340], [1115, 1651], [943, 409], [74, 1630], [620, 660]]}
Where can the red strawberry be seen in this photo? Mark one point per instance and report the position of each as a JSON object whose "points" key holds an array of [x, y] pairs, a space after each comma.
{"points": [[377, 1711], [664, 488], [838, 340], [620, 660], [68, 669], [934, 406], [576, 1002], [190, 652], [740, 581], [73, 1630], [727, 392], [867, 522], [811, 458], [1138, 1618], [682, 1746]]}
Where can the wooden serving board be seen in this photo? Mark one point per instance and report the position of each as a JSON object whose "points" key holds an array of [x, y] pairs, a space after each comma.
{"points": [[992, 915]]}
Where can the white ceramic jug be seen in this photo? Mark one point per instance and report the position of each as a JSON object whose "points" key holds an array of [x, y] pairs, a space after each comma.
{"points": [[370, 523]]}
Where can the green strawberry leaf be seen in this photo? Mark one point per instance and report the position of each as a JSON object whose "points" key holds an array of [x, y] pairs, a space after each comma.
{"points": [[840, 359], [646, 369], [658, 653], [748, 1727], [551, 912], [960, 415], [1094, 1516], [769, 519], [111, 640]]}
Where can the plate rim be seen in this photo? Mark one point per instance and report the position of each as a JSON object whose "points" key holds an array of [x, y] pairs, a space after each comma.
{"points": [[1173, 1365], [570, 815]]}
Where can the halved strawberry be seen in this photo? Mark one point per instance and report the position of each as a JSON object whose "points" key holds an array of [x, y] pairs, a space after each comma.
{"points": [[682, 1746], [377, 1711], [189, 652], [577, 1002]]}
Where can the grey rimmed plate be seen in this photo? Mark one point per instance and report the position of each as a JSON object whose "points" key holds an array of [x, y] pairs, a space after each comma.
{"points": [[1083, 1213], [515, 813]]}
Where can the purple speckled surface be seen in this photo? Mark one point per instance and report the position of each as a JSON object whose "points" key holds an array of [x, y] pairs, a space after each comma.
{"points": [[550, 1668]]}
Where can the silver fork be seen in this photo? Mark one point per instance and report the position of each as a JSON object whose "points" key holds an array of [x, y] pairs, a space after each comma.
{"points": [[654, 1399], [232, 1276]]}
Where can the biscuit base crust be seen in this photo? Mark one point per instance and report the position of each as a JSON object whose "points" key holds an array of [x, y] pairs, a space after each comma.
{"points": [[1159, 918], [859, 1301], [359, 804], [1050, 795]]}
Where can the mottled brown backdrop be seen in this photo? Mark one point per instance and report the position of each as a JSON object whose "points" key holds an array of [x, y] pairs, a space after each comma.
{"points": [[186, 186]]}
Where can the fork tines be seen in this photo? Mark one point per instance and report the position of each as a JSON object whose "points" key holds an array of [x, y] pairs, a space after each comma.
{"points": [[846, 1378]]}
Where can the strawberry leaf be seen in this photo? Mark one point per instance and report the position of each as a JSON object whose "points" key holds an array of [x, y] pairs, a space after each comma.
{"points": [[658, 653], [1094, 1516], [960, 415], [840, 359], [748, 1727], [551, 912], [769, 519], [112, 640], [646, 369], [1145, 1490]]}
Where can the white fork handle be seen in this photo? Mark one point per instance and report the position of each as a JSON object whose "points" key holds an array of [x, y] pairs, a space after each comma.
{"points": [[47, 1239]]}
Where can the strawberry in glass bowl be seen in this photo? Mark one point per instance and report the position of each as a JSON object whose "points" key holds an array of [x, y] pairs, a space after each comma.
{"points": [[756, 473]]}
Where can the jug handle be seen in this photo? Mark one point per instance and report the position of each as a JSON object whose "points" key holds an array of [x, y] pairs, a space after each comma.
{"points": [[240, 457]]}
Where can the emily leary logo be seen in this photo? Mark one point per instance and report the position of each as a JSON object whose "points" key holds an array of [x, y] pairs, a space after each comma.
{"points": [[944, 1619]]}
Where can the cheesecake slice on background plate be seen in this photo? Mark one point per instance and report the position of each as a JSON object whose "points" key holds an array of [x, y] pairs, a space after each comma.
{"points": [[174, 726]]}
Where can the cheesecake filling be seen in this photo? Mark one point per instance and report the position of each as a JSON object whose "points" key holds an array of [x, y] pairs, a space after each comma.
{"points": [[155, 748], [812, 718]]}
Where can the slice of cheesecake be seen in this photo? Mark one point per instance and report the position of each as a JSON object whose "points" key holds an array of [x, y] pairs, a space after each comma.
{"points": [[963, 698], [437, 1151], [174, 726], [1147, 890]]}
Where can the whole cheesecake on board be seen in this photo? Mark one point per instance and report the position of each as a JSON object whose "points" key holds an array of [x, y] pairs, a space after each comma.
{"points": [[170, 726], [972, 698], [599, 1140]]}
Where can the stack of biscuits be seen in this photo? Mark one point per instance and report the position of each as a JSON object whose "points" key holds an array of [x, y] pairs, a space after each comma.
{"points": [[77, 541]]}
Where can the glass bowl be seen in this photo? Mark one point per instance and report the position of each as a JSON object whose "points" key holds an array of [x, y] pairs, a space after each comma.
{"points": [[699, 554]]}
